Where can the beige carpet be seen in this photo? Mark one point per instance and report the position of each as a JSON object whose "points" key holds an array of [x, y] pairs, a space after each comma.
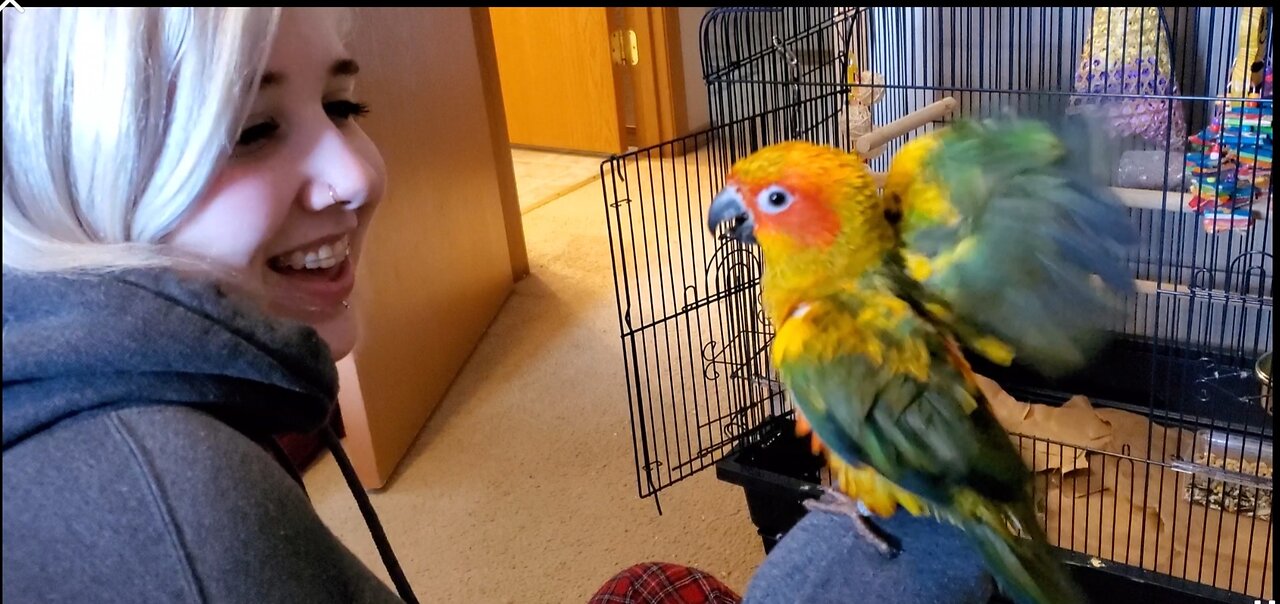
{"points": [[522, 486], [544, 176]]}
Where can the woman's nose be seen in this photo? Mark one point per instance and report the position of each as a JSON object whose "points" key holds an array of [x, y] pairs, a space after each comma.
{"points": [[341, 174]]}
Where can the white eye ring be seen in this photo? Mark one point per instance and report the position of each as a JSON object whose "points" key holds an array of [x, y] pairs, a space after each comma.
{"points": [[774, 199]]}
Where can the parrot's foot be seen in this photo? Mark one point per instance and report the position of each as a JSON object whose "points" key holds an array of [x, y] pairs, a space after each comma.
{"points": [[836, 502]]}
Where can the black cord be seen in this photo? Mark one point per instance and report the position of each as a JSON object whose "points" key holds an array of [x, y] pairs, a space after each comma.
{"points": [[371, 518]]}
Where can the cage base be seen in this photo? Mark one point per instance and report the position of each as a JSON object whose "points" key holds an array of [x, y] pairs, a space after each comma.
{"points": [[777, 472], [1159, 381]]}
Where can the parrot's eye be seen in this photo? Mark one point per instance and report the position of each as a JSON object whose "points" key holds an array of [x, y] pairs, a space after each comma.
{"points": [[773, 200]]}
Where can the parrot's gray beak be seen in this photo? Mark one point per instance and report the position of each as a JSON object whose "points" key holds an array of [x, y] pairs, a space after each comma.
{"points": [[728, 206]]}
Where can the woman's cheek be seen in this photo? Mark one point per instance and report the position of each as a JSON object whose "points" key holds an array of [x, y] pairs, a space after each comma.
{"points": [[234, 224]]}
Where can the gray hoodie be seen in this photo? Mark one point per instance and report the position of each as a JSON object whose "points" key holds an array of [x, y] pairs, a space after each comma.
{"points": [[139, 464]]}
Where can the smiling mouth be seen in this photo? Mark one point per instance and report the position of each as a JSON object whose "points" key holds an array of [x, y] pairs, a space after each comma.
{"points": [[314, 283], [321, 260]]}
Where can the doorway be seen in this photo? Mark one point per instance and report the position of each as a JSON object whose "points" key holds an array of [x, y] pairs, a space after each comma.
{"points": [[582, 84]]}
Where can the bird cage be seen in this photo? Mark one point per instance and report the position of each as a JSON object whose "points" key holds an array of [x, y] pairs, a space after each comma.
{"points": [[1152, 463]]}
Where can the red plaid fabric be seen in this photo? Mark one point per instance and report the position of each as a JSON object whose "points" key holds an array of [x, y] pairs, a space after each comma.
{"points": [[664, 583]]}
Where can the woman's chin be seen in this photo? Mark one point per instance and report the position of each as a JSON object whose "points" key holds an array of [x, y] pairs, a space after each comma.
{"points": [[313, 304], [340, 332]]}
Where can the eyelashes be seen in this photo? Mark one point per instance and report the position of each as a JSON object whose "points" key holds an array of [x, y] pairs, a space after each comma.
{"points": [[258, 132], [346, 109], [338, 111]]}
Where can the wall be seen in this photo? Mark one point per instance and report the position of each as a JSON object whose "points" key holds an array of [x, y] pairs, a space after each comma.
{"points": [[438, 265], [695, 89]]}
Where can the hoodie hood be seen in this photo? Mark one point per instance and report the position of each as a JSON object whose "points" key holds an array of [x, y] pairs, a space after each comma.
{"points": [[79, 344], [76, 344]]}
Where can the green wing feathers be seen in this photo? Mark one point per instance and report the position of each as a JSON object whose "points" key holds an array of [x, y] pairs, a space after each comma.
{"points": [[899, 405], [1024, 565], [1033, 250], [927, 437], [930, 432]]}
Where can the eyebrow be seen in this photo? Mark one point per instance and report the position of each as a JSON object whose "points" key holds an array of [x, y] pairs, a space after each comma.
{"points": [[344, 67], [339, 68]]}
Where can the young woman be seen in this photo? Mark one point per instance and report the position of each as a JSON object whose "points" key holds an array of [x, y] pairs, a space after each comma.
{"points": [[186, 193]]}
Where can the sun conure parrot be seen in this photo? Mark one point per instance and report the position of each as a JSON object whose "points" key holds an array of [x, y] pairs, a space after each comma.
{"points": [[988, 235]]}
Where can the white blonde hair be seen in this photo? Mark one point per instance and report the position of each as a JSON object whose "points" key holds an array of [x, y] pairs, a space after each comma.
{"points": [[116, 120]]}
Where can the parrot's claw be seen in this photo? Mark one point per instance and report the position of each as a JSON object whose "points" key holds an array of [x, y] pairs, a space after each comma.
{"points": [[838, 503]]}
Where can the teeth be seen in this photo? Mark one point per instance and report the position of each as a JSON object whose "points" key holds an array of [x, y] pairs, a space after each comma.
{"points": [[325, 256]]}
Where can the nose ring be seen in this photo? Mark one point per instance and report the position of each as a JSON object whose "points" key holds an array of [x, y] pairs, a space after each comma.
{"points": [[333, 196]]}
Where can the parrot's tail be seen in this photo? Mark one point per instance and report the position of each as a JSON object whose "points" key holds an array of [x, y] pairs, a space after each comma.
{"points": [[1024, 566]]}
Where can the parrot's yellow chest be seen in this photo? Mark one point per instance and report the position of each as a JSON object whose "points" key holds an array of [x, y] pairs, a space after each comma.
{"points": [[866, 323], [863, 323]]}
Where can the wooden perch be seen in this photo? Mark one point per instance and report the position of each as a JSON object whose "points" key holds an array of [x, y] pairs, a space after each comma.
{"points": [[872, 144], [878, 138], [1173, 201], [1146, 199]]}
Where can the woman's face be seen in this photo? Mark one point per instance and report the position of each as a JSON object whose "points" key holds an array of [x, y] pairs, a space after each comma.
{"points": [[292, 206]]}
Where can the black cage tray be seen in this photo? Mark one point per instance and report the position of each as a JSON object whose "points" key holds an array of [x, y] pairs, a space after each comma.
{"points": [[777, 471]]}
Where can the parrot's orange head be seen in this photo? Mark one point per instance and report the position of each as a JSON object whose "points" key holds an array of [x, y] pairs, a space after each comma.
{"points": [[801, 198]]}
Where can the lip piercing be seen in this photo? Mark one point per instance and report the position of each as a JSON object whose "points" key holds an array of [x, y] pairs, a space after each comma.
{"points": [[346, 304]]}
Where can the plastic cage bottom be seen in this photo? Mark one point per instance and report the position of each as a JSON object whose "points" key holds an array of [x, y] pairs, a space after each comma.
{"points": [[777, 472]]}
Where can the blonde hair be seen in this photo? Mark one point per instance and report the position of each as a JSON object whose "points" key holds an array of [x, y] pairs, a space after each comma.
{"points": [[115, 122]]}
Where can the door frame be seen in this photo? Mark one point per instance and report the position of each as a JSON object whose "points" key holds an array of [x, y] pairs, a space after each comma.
{"points": [[657, 78]]}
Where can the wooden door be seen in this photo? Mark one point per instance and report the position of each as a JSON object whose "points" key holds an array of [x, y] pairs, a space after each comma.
{"points": [[560, 85]]}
